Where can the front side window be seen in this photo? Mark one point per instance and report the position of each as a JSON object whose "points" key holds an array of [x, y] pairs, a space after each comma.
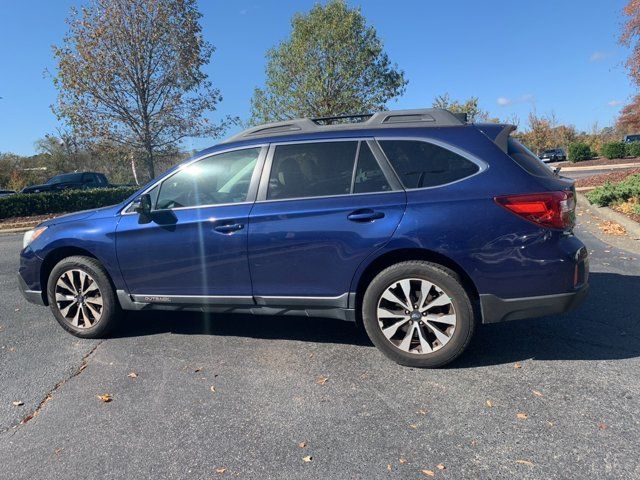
{"points": [[216, 180], [311, 170], [421, 164]]}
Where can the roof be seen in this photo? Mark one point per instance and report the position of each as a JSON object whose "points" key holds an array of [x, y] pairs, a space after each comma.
{"points": [[426, 117]]}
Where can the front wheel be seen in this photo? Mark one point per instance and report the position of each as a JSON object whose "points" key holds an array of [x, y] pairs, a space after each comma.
{"points": [[81, 297], [418, 314]]}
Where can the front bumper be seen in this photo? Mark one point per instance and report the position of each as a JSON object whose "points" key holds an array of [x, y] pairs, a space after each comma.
{"points": [[496, 309], [33, 296]]}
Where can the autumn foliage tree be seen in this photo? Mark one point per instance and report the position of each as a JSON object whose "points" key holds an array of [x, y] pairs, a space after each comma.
{"points": [[130, 72], [630, 116], [333, 63]]}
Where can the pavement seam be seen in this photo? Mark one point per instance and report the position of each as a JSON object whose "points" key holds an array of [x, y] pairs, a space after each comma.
{"points": [[49, 394]]}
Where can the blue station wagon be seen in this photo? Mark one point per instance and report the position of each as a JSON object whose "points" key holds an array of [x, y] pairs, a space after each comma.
{"points": [[415, 224]]}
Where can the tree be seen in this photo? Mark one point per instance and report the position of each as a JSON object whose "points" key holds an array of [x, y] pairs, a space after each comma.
{"points": [[333, 63], [470, 106], [629, 120], [129, 72]]}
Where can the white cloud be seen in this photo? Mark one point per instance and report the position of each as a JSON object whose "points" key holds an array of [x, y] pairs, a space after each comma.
{"points": [[614, 103], [526, 98], [598, 56]]}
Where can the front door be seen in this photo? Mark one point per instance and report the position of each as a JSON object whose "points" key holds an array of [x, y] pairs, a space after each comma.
{"points": [[194, 244], [319, 213]]}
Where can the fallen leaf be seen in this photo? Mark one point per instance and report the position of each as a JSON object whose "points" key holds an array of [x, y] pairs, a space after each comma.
{"points": [[612, 228], [441, 466], [388, 467], [105, 397], [58, 450], [17, 310], [17, 403], [307, 459], [522, 416], [322, 380], [198, 369], [221, 470], [133, 375], [213, 389], [549, 423], [537, 393], [302, 444], [489, 403], [525, 462], [403, 461], [602, 426], [474, 443], [517, 365], [422, 412], [413, 425], [26, 419], [429, 473]]}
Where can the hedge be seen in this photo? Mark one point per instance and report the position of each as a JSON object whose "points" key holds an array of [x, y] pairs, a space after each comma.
{"points": [[613, 150], [579, 151], [633, 149], [27, 204], [611, 193]]}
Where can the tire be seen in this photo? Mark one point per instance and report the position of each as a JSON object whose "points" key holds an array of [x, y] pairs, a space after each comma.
{"points": [[440, 333], [82, 284]]}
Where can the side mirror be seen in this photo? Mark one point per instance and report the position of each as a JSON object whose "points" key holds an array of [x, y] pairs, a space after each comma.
{"points": [[142, 204]]}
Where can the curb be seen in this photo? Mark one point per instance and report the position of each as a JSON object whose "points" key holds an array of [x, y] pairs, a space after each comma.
{"points": [[614, 166], [15, 230], [605, 213]]}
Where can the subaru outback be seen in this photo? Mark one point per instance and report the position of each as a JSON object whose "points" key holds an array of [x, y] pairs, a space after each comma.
{"points": [[415, 224]]}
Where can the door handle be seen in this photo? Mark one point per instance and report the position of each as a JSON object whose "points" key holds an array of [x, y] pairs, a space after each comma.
{"points": [[228, 228], [365, 215]]}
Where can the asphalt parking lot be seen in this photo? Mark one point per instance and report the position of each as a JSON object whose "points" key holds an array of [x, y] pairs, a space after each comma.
{"points": [[250, 397]]}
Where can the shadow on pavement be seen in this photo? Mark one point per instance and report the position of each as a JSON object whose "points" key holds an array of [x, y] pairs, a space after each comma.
{"points": [[605, 327]]}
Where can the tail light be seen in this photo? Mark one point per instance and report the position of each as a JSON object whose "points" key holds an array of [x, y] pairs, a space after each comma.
{"points": [[548, 209]]}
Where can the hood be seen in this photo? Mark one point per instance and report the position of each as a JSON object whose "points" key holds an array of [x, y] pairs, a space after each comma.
{"points": [[83, 215], [44, 186]]}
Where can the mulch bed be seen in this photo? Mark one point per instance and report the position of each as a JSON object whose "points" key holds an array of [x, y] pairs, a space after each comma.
{"points": [[16, 222], [600, 179], [598, 161]]}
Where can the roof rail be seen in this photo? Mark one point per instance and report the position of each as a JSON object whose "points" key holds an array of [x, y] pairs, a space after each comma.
{"points": [[425, 117]]}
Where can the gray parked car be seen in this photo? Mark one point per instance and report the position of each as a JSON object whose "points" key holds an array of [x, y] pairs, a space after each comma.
{"points": [[553, 155]]}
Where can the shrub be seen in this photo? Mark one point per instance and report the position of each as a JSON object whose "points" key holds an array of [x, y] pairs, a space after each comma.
{"points": [[614, 150], [26, 204], [579, 151], [633, 149], [611, 193]]}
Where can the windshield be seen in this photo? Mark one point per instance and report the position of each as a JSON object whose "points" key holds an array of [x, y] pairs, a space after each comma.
{"points": [[66, 178]]}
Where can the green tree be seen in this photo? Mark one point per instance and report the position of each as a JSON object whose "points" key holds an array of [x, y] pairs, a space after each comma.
{"points": [[333, 63], [470, 106], [130, 72]]}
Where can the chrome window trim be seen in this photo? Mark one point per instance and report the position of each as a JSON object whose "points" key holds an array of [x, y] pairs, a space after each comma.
{"points": [[482, 165], [254, 178]]}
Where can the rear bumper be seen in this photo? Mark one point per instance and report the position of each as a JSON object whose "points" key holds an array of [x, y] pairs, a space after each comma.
{"points": [[496, 309], [33, 296]]}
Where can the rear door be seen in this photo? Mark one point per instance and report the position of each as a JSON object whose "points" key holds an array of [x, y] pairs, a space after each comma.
{"points": [[322, 207]]}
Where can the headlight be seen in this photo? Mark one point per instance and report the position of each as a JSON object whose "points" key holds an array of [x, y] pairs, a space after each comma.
{"points": [[31, 235]]}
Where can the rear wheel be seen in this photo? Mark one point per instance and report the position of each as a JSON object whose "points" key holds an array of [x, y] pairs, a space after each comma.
{"points": [[81, 297], [418, 314]]}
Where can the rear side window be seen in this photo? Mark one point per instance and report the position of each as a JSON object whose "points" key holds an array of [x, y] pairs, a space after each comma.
{"points": [[527, 160], [421, 164], [311, 170]]}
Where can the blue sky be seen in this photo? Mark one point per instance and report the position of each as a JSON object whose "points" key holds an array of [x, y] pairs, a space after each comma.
{"points": [[551, 55]]}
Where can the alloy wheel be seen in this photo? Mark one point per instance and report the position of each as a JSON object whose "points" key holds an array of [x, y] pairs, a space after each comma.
{"points": [[416, 316], [78, 298]]}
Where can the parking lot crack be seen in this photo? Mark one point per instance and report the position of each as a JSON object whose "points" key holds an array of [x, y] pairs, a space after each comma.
{"points": [[48, 396]]}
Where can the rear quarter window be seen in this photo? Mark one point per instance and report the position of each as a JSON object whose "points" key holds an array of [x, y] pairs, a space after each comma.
{"points": [[527, 160], [421, 164]]}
